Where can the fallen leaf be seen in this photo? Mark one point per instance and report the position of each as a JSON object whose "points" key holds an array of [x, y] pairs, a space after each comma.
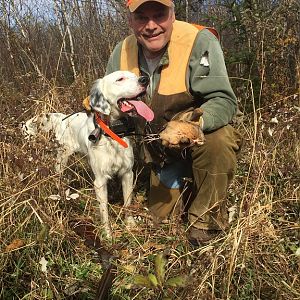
{"points": [[67, 193], [270, 131], [15, 244], [54, 197], [73, 196], [43, 262], [274, 120]]}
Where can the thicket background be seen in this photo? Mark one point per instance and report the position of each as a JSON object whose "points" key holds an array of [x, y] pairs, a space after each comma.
{"points": [[50, 53], [61, 42]]}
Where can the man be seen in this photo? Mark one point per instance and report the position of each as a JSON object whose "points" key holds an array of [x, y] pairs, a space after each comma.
{"points": [[187, 72]]}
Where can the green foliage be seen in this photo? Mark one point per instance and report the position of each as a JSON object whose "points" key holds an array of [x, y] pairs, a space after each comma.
{"points": [[158, 281], [178, 281], [153, 280], [160, 267], [141, 280]]}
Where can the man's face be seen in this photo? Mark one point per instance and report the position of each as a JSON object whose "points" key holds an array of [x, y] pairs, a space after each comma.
{"points": [[152, 24]]}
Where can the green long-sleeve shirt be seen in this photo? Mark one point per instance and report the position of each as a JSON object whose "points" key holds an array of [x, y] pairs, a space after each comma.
{"points": [[207, 78]]}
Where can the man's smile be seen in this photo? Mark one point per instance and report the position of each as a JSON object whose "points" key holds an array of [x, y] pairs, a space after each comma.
{"points": [[151, 36]]}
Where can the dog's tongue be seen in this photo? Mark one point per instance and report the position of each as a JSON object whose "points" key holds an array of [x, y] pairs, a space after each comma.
{"points": [[141, 108]]}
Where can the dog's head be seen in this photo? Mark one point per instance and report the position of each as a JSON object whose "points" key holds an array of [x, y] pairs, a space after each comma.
{"points": [[119, 91], [42, 122], [29, 127]]}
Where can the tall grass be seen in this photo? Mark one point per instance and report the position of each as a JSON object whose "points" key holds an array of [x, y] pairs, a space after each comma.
{"points": [[257, 259]]}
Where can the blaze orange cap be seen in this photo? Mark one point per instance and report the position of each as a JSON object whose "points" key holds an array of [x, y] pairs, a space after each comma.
{"points": [[134, 4]]}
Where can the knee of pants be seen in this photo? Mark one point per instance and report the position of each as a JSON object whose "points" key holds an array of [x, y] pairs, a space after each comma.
{"points": [[218, 153]]}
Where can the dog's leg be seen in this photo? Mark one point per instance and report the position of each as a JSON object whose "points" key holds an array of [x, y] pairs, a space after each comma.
{"points": [[101, 194], [127, 187], [62, 159]]}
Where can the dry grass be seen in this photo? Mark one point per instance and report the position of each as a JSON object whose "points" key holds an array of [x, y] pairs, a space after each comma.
{"points": [[255, 260]]}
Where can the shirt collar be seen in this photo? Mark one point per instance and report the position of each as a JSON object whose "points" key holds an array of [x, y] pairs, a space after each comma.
{"points": [[142, 61]]}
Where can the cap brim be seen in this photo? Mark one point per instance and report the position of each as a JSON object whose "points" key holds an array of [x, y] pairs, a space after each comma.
{"points": [[134, 6]]}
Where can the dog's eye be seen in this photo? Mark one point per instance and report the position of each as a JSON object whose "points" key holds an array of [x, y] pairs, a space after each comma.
{"points": [[121, 79]]}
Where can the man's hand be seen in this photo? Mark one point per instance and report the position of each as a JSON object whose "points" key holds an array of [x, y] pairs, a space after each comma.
{"points": [[181, 134]]}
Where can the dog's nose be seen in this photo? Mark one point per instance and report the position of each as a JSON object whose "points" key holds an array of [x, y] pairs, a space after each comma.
{"points": [[143, 80]]}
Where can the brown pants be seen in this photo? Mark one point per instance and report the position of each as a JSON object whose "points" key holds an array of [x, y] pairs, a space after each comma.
{"points": [[213, 166]]}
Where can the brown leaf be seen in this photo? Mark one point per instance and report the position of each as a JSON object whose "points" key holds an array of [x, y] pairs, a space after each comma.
{"points": [[15, 244], [87, 230], [152, 246]]}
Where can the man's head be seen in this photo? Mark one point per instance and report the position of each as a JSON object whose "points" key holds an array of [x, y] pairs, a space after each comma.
{"points": [[152, 23]]}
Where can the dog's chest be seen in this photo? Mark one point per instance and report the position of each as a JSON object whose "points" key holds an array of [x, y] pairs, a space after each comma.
{"points": [[110, 158]]}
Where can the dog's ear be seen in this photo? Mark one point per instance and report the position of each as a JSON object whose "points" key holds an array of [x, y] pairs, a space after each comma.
{"points": [[97, 99]]}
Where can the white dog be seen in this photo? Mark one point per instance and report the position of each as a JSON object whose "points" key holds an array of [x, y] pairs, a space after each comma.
{"points": [[110, 96]]}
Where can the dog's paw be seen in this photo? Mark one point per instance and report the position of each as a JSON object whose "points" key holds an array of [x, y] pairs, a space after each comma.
{"points": [[106, 233]]}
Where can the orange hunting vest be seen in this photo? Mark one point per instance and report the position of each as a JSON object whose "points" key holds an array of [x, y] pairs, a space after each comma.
{"points": [[172, 92], [173, 76]]}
